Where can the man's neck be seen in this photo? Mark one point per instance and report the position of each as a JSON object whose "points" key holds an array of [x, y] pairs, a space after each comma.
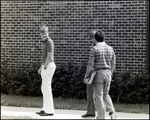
{"points": [[101, 42]]}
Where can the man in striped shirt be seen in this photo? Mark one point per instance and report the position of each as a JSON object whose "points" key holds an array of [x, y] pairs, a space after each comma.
{"points": [[102, 58]]}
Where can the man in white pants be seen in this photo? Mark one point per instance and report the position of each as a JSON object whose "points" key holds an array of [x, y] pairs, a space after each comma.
{"points": [[47, 70]]}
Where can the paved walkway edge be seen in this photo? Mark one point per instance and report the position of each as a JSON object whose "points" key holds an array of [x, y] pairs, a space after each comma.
{"points": [[61, 113]]}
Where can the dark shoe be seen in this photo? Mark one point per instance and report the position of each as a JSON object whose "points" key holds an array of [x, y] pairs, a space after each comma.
{"points": [[46, 114], [41, 112], [112, 115], [88, 115]]}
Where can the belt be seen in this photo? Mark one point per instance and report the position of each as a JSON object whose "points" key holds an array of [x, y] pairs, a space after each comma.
{"points": [[102, 68]]}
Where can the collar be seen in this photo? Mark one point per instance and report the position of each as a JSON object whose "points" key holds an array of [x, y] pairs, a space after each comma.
{"points": [[45, 41], [101, 43]]}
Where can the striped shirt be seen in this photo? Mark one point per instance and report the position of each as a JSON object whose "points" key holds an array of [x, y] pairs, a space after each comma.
{"points": [[102, 56]]}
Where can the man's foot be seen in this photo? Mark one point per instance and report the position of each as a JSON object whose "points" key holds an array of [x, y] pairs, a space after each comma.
{"points": [[88, 115], [112, 115], [41, 112], [46, 114]]}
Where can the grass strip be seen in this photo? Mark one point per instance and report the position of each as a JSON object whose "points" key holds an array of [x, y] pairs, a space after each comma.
{"points": [[67, 103]]}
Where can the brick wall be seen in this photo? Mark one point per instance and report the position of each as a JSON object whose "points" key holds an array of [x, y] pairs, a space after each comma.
{"points": [[69, 22]]}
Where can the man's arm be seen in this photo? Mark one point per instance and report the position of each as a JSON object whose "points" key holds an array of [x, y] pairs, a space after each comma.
{"points": [[89, 68], [49, 59], [90, 62], [50, 53], [113, 63]]}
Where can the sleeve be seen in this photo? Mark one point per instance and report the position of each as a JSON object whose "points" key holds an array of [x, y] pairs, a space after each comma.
{"points": [[114, 56], [91, 56]]}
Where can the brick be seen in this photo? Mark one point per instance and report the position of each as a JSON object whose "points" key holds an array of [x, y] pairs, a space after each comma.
{"points": [[70, 23]]}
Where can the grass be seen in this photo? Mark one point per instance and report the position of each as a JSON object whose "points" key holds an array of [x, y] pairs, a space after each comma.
{"points": [[21, 101], [59, 103], [69, 103], [132, 108]]}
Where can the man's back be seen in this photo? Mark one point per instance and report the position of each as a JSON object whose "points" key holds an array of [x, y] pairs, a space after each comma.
{"points": [[104, 55]]}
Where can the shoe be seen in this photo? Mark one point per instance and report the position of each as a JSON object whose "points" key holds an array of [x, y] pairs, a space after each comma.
{"points": [[112, 115], [88, 115], [46, 114], [41, 112]]}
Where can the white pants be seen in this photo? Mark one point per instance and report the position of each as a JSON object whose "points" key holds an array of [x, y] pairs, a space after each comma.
{"points": [[47, 74]]}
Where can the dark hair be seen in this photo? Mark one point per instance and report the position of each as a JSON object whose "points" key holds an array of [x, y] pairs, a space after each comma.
{"points": [[99, 36]]}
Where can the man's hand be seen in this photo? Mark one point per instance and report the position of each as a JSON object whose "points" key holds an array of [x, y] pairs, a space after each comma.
{"points": [[39, 71], [86, 80]]}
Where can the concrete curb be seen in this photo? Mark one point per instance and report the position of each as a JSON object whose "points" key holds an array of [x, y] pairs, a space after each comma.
{"points": [[61, 113]]}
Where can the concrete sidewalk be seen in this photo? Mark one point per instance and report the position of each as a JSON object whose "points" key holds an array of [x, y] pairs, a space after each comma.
{"points": [[61, 113]]}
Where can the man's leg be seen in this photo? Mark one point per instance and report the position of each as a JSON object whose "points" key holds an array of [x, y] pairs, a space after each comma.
{"points": [[107, 98], [47, 75], [90, 101], [109, 103], [99, 103]]}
